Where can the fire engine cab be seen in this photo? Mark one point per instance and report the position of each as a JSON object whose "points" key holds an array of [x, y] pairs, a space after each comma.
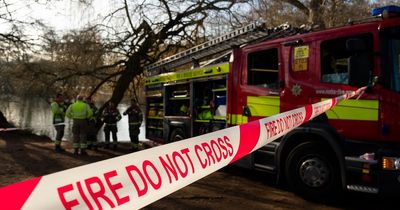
{"points": [[255, 72]]}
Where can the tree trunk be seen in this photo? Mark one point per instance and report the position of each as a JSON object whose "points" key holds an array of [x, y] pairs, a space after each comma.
{"points": [[316, 14], [3, 121], [132, 68]]}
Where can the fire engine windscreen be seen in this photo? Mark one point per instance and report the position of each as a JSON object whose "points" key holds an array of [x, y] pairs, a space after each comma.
{"points": [[347, 60]]}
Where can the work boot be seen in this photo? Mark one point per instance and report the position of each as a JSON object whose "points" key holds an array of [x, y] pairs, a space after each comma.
{"points": [[76, 151], [83, 152], [58, 149]]}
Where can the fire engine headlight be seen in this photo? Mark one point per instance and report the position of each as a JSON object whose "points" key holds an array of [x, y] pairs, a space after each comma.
{"points": [[391, 163]]}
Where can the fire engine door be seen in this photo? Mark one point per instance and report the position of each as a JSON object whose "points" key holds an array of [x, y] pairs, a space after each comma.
{"points": [[390, 83], [260, 84]]}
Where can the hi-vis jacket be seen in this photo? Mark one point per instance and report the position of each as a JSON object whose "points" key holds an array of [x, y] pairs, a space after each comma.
{"points": [[58, 111], [79, 110]]}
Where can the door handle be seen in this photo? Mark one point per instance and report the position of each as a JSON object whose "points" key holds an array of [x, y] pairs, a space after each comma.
{"points": [[208, 71]]}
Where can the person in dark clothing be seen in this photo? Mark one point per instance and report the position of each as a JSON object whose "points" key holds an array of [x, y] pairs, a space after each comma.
{"points": [[110, 117], [92, 130], [135, 118]]}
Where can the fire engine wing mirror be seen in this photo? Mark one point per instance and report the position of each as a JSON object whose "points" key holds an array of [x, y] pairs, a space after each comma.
{"points": [[372, 83], [246, 111]]}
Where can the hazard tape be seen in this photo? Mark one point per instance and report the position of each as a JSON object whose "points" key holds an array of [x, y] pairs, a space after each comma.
{"points": [[135, 180], [9, 129], [27, 128]]}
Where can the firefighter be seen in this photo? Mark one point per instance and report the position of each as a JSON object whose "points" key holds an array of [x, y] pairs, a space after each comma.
{"points": [[58, 109], [135, 118], [92, 130], [110, 117], [183, 110], [80, 112]]}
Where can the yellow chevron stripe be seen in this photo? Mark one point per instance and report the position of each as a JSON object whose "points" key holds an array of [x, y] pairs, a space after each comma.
{"points": [[351, 109], [237, 119], [262, 106]]}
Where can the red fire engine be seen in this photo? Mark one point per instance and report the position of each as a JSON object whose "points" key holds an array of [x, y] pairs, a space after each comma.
{"points": [[354, 146]]}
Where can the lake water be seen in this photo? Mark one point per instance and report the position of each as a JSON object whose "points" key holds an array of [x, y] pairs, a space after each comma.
{"points": [[35, 114]]}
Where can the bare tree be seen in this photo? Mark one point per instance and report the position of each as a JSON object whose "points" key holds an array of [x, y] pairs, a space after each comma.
{"points": [[14, 45], [72, 64], [153, 29], [316, 13], [112, 53]]}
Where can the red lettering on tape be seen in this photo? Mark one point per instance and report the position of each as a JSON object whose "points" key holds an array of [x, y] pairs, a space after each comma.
{"points": [[221, 143], [115, 187], [156, 184], [99, 194], [218, 155], [84, 197], [214, 151], [172, 166], [186, 152], [67, 204], [207, 150], [169, 168], [281, 125], [182, 172], [229, 145], [197, 150], [133, 168], [148, 175], [96, 190]]}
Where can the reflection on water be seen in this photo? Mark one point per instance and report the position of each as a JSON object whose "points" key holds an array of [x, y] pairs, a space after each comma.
{"points": [[35, 114]]}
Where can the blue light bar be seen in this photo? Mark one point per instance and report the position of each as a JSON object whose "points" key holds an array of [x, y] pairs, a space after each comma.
{"points": [[390, 9]]}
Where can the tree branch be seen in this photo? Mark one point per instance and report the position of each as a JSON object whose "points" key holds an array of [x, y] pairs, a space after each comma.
{"points": [[299, 6]]}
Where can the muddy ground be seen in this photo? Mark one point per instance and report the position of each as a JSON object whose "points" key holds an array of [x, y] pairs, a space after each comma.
{"points": [[25, 156]]}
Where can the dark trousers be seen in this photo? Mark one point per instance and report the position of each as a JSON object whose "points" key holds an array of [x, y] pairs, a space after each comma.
{"points": [[134, 131], [92, 133], [59, 133], [110, 129], [79, 130]]}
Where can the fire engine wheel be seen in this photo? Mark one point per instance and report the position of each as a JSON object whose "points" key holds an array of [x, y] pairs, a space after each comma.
{"points": [[176, 135], [311, 170]]}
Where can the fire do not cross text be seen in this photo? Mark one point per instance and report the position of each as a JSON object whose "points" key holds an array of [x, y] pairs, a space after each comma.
{"points": [[104, 191], [280, 125]]}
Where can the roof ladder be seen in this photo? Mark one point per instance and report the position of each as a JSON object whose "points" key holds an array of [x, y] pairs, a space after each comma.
{"points": [[247, 34]]}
